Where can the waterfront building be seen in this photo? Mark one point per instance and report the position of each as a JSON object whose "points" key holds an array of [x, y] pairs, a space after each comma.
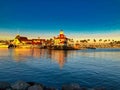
{"points": [[21, 40], [38, 41], [62, 40]]}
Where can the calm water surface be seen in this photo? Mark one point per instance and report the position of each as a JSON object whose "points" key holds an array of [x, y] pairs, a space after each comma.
{"points": [[89, 68]]}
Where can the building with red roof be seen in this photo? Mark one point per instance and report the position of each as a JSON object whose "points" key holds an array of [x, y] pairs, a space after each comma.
{"points": [[61, 39], [20, 40]]}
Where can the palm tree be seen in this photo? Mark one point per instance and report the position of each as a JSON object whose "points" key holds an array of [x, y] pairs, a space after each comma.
{"points": [[105, 41], [88, 39], [100, 42], [113, 40], [94, 42]]}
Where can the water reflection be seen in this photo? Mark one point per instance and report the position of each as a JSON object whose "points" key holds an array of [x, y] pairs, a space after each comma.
{"points": [[58, 56], [25, 54], [4, 52], [81, 66], [55, 55], [21, 54]]}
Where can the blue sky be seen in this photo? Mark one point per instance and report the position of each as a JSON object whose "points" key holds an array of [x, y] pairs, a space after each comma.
{"points": [[45, 18]]}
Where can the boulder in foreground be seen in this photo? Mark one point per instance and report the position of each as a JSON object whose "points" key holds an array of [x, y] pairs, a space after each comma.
{"points": [[4, 85], [20, 85]]}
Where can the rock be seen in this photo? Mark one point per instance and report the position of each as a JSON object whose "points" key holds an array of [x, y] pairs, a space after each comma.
{"points": [[9, 89], [50, 88], [84, 88], [35, 87], [100, 88], [4, 85], [20, 85], [31, 83], [71, 87], [35, 83]]}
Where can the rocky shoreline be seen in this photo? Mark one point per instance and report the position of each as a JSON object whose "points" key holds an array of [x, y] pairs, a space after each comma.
{"points": [[22, 85]]}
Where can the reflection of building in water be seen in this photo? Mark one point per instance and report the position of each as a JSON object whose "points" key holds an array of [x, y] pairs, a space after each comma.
{"points": [[38, 53], [21, 54], [4, 52], [59, 56]]}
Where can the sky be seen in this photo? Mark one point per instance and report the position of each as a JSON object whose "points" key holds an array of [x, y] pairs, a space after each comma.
{"points": [[45, 18]]}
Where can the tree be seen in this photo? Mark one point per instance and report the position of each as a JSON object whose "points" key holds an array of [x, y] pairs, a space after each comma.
{"points": [[100, 40], [94, 40], [109, 40], [105, 41], [88, 39]]}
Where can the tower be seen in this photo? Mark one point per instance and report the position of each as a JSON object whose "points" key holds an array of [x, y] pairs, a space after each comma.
{"points": [[61, 32]]}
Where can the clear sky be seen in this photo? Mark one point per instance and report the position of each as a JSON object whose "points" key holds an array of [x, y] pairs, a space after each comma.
{"points": [[45, 18]]}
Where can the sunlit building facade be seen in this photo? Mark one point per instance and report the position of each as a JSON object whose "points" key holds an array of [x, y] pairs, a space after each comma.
{"points": [[21, 40], [62, 40]]}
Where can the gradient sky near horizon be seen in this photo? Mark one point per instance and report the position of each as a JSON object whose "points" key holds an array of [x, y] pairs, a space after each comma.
{"points": [[45, 18]]}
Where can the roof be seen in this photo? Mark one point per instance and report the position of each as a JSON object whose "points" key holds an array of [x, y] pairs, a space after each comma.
{"points": [[39, 39], [23, 38], [20, 38], [61, 36]]}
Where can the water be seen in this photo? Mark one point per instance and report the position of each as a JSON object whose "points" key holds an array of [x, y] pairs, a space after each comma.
{"points": [[89, 68]]}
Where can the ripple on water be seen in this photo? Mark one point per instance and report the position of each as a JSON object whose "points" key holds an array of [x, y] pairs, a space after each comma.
{"points": [[91, 68]]}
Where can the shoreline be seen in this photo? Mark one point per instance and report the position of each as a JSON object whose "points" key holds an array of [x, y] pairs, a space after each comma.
{"points": [[58, 48], [22, 85], [6, 47]]}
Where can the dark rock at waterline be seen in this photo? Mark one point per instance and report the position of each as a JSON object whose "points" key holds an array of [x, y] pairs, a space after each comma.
{"points": [[39, 86], [35, 87], [71, 87], [50, 88], [4, 85], [31, 83], [84, 88], [20, 85], [9, 88], [100, 88], [35, 83]]}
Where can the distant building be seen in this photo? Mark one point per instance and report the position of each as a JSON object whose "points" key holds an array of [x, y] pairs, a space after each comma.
{"points": [[21, 40], [38, 41], [62, 40]]}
